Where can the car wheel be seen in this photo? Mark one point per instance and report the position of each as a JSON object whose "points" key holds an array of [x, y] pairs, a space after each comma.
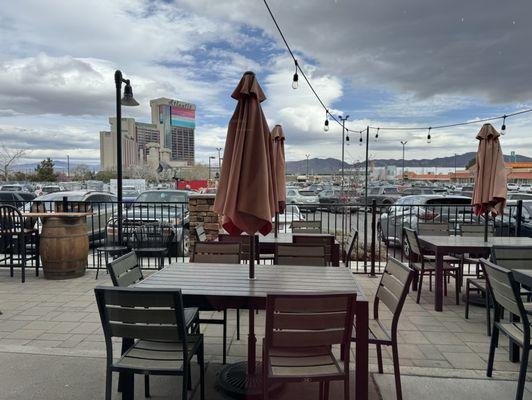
{"points": [[183, 248], [406, 249]]}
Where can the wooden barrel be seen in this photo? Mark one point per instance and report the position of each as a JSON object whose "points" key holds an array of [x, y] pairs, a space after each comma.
{"points": [[64, 247]]}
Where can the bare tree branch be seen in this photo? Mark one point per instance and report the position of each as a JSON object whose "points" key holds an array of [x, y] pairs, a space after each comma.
{"points": [[8, 159]]}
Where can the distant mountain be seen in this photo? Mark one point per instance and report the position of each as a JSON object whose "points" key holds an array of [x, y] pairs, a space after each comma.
{"points": [[60, 166], [332, 165]]}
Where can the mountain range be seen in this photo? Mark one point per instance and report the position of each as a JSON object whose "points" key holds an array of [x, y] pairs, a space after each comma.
{"points": [[333, 165]]}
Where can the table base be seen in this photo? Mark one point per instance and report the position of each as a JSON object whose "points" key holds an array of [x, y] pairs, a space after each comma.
{"points": [[235, 381]]}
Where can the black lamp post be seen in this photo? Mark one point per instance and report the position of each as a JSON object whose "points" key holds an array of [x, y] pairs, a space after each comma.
{"points": [[210, 158], [127, 100], [404, 144]]}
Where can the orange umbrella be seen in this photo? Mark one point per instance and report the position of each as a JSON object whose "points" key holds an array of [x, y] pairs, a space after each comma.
{"points": [[490, 178], [279, 167], [246, 193]]}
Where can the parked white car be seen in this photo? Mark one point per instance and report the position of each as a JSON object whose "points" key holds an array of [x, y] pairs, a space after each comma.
{"points": [[526, 187], [512, 187], [302, 198]]}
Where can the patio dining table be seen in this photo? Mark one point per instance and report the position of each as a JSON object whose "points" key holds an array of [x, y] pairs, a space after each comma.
{"points": [[446, 245], [222, 286]]}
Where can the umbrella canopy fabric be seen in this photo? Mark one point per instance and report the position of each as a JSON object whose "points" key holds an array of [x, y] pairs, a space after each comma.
{"points": [[490, 178], [246, 192], [279, 167]]}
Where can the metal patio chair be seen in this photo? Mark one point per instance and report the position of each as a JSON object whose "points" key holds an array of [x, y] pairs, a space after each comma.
{"points": [[306, 226], [327, 241], [151, 324], [506, 296], [353, 240], [218, 252], [300, 254], [152, 240], [392, 292], [300, 331]]}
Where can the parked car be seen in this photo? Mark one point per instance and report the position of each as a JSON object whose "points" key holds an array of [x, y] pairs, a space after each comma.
{"points": [[16, 199], [12, 188], [525, 187], [330, 199], [167, 207], [409, 210], [384, 195], [305, 199], [102, 204], [513, 187], [291, 214], [506, 224], [129, 194], [416, 191]]}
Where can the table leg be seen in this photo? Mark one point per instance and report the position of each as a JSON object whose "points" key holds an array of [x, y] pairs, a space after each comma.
{"points": [[361, 356], [439, 277], [252, 340]]}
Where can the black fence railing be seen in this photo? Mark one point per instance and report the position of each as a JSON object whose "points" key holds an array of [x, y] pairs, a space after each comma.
{"points": [[380, 227]]}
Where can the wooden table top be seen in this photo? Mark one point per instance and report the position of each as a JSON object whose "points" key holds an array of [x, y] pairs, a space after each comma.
{"points": [[231, 280], [283, 237], [56, 214], [468, 242]]}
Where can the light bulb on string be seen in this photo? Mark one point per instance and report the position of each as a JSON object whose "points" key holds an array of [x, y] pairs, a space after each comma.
{"points": [[360, 140], [503, 127], [326, 126], [347, 138], [377, 135], [428, 136], [295, 78]]}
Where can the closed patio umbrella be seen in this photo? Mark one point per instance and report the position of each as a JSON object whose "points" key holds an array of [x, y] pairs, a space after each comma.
{"points": [[246, 193], [278, 139], [489, 193]]}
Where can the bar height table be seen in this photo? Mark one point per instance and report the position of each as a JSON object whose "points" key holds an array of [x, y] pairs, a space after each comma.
{"points": [[227, 286]]}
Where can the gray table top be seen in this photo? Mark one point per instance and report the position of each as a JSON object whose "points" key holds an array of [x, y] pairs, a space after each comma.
{"points": [[467, 242], [230, 280], [523, 276], [283, 237]]}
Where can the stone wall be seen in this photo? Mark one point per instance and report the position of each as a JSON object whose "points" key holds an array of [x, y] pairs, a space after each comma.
{"points": [[201, 209]]}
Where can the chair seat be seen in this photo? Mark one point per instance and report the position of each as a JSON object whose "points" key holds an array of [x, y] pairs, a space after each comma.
{"points": [[301, 363], [429, 266], [513, 330], [156, 356]]}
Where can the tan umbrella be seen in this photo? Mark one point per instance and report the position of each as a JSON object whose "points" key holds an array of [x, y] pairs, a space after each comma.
{"points": [[490, 177], [279, 167], [245, 195]]}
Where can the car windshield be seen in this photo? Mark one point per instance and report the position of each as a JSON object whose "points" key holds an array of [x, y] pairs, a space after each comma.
{"points": [[162, 197], [11, 188], [307, 193], [391, 190], [130, 193]]}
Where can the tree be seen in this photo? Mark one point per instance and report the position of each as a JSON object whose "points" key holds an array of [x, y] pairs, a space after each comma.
{"points": [[81, 173], [471, 162], [105, 175], [8, 159], [45, 171], [198, 171]]}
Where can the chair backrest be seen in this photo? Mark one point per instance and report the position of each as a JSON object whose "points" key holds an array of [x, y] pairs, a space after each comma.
{"points": [[353, 239], [152, 235], [306, 226], [11, 221], [413, 242], [125, 270], [300, 254], [243, 240], [138, 313], [433, 229], [393, 289], [216, 252], [511, 257], [475, 230], [303, 320], [200, 231], [312, 240], [505, 290]]}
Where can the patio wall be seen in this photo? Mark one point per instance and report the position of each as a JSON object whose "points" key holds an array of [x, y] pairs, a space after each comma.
{"points": [[201, 211]]}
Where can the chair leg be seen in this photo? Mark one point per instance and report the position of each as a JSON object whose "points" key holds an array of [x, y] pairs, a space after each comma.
{"points": [[201, 363], [445, 276], [184, 388], [346, 387], [420, 286], [108, 384], [224, 350], [237, 324], [37, 256], [457, 288], [488, 312], [415, 281], [493, 344], [522, 373], [430, 281], [396, 371], [467, 300], [147, 386], [379, 359]]}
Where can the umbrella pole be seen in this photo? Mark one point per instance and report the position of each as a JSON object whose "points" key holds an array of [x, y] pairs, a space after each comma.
{"points": [[252, 257], [486, 223], [276, 227]]}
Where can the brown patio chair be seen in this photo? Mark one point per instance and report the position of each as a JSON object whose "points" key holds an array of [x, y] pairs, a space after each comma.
{"points": [[217, 252], [151, 324], [506, 296], [299, 254], [327, 241], [426, 265], [353, 240], [125, 271], [392, 291], [306, 226], [300, 332]]}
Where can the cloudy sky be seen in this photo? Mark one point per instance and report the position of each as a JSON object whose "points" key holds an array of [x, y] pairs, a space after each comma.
{"points": [[385, 63]]}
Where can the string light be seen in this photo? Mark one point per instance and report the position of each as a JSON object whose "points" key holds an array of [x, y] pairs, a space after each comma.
{"points": [[296, 77], [377, 135], [428, 136], [347, 137], [360, 140], [503, 127], [326, 126]]}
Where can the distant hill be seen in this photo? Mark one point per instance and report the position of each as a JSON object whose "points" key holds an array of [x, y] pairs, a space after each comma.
{"points": [[60, 165], [333, 165]]}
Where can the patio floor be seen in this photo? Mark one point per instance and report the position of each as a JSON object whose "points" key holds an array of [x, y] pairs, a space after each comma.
{"points": [[56, 322]]}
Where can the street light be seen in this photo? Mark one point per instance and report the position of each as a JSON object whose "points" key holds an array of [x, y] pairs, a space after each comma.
{"points": [[343, 119], [404, 144], [307, 155], [210, 158], [219, 159], [127, 100]]}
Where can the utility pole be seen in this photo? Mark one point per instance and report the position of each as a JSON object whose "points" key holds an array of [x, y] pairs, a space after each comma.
{"points": [[455, 163], [404, 144], [219, 160], [210, 158], [343, 119], [68, 166], [307, 155]]}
